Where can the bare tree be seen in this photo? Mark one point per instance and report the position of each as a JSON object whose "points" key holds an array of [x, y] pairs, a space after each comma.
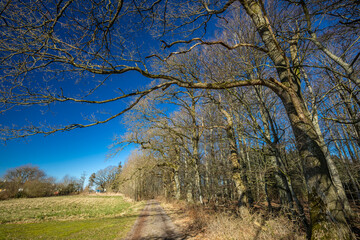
{"points": [[104, 177], [24, 174]]}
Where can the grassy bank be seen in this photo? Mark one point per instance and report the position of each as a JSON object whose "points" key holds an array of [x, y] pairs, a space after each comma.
{"points": [[67, 217]]}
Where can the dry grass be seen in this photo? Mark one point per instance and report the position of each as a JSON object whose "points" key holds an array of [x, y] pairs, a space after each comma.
{"points": [[200, 223], [251, 226]]}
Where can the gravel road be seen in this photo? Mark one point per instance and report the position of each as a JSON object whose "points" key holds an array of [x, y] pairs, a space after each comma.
{"points": [[153, 223]]}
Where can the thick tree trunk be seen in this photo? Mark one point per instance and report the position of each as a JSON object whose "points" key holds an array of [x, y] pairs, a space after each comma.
{"points": [[241, 189], [188, 176], [315, 120], [195, 158], [327, 208], [328, 217], [177, 184]]}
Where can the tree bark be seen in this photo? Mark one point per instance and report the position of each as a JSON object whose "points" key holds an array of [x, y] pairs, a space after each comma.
{"points": [[327, 209], [328, 217], [188, 170], [177, 184], [238, 176], [315, 119], [195, 144]]}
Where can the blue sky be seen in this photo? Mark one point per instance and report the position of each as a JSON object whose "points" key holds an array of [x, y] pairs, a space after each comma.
{"points": [[73, 152], [64, 153]]}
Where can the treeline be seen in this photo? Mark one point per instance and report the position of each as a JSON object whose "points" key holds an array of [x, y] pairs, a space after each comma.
{"points": [[30, 181]]}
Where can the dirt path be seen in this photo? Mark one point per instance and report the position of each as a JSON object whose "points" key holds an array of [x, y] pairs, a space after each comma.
{"points": [[154, 223]]}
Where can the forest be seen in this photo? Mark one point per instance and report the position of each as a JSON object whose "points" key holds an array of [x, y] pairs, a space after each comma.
{"points": [[247, 102]]}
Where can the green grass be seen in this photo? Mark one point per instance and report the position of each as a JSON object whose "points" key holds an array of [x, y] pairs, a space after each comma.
{"points": [[69, 217]]}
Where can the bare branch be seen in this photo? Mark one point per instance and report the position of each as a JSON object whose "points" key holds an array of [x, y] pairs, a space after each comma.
{"points": [[202, 42]]}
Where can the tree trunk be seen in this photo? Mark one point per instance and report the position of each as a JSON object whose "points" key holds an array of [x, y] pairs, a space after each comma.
{"points": [[281, 181], [328, 217], [188, 176], [239, 179], [268, 200], [196, 164], [330, 162], [177, 184], [195, 138], [327, 208]]}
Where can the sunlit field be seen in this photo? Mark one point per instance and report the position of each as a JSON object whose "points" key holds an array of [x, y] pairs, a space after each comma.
{"points": [[67, 217]]}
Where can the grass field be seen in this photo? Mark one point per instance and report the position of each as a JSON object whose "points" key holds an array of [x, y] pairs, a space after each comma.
{"points": [[67, 217]]}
